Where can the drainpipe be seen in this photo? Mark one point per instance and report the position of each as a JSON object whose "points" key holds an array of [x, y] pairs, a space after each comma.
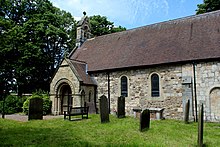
{"points": [[108, 91], [95, 96], [194, 75]]}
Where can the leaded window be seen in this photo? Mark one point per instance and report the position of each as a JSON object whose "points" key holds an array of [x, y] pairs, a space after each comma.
{"points": [[155, 85], [124, 86]]}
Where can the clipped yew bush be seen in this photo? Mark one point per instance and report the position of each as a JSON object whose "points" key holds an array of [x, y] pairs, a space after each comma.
{"points": [[47, 103]]}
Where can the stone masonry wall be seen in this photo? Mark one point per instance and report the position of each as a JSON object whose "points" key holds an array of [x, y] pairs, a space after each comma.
{"points": [[208, 88], [63, 75], [171, 89], [139, 94]]}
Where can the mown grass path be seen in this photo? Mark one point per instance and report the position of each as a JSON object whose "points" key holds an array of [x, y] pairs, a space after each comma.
{"points": [[90, 132]]}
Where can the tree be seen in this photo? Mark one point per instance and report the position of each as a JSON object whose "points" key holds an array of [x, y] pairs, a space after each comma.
{"points": [[34, 38], [208, 6], [101, 26]]}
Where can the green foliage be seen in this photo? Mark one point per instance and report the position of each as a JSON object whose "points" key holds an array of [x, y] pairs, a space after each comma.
{"points": [[208, 6], [101, 26], [34, 37], [13, 104], [47, 103], [119, 132]]}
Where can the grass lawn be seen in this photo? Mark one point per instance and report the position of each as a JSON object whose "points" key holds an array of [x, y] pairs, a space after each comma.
{"points": [[90, 132]]}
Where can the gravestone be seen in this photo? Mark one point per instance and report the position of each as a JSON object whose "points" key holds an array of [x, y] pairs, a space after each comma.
{"points": [[104, 111], [200, 126], [35, 109], [186, 114], [91, 106], [188, 95], [145, 120], [121, 107]]}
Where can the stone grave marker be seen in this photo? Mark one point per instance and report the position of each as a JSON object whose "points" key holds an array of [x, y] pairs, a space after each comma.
{"points": [[187, 95], [186, 113], [200, 126], [121, 107], [145, 120], [104, 111], [91, 106], [35, 109]]}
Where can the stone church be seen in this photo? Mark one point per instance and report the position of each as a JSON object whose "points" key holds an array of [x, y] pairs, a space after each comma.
{"points": [[158, 66]]}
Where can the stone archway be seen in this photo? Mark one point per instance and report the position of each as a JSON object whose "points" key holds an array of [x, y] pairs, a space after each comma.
{"points": [[66, 99], [63, 95], [215, 102]]}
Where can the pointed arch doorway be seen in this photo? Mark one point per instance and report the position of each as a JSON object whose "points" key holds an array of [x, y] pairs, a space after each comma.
{"points": [[66, 99]]}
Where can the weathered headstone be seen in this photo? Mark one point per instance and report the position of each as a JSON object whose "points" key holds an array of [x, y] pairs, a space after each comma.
{"points": [[186, 114], [121, 107], [35, 109], [200, 126], [187, 94], [145, 120], [104, 111]]}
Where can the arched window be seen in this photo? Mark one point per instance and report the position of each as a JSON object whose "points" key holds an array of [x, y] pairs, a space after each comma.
{"points": [[90, 95], [124, 86], [155, 85], [83, 95]]}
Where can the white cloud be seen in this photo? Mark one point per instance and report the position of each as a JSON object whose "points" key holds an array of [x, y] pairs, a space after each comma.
{"points": [[121, 11], [145, 9], [77, 18]]}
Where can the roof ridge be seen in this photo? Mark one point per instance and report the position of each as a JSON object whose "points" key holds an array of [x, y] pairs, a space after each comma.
{"points": [[191, 38], [172, 21], [78, 61]]}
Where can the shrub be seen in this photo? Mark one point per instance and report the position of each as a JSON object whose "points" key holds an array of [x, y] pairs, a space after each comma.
{"points": [[47, 103], [13, 104]]}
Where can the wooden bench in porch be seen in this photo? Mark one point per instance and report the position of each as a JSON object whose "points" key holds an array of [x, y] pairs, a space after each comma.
{"points": [[74, 111]]}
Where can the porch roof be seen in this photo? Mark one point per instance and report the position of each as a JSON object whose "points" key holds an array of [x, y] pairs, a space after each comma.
{"points": [[80, 70]]}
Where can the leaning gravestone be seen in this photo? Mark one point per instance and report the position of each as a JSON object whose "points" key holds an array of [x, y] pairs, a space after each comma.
{"points": [[186, 114], [104, 111], [200, 126], [145, 120], [121, 107], [35, 109]]}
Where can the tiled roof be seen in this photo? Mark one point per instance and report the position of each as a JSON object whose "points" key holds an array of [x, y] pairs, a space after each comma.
{"points": [[80, 70], [187, 39]]}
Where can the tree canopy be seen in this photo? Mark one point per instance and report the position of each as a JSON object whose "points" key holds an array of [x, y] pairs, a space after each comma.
{"points": [[100, 25], [34, 37], [208, 6]]}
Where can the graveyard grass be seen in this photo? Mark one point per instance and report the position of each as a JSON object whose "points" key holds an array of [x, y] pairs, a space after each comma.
{"points": [[118, 132]]}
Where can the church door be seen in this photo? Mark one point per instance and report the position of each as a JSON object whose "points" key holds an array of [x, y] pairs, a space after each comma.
{"points": [[66, 98]]}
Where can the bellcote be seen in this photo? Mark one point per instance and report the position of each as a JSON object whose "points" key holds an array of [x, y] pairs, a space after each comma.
{"points": [[83, 30]]}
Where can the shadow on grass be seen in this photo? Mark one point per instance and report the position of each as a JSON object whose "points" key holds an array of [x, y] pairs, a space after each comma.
{"points": [[36, 136]]}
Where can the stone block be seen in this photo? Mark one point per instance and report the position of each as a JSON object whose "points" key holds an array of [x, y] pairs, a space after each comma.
{"points": [[145, 120], [121, 107], [200, 126], [35, 109], [104, 110]]}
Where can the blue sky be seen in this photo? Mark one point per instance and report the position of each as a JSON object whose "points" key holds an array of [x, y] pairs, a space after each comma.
{"points": [[130, 13]]}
